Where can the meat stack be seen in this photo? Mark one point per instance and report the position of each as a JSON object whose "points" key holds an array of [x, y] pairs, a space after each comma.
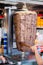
{"points": [[25, 27]]}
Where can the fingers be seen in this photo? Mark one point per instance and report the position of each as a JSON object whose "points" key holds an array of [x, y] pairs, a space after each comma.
{"points": [[34, 48], [3, 59]]}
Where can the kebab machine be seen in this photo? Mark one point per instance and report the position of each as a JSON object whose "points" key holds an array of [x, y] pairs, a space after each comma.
{"points": [[23, 23]]}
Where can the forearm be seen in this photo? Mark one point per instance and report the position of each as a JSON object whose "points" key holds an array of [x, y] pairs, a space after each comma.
{"points": [[38, 58]]}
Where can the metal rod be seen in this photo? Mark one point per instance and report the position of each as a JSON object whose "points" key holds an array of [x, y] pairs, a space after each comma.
{"points": [[10, 33]]}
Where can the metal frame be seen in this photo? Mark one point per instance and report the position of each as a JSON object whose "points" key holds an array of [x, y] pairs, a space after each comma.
{"points": [[10, 28], [25, 1]]}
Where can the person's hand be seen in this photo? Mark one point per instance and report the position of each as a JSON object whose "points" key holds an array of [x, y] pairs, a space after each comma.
{"points": [[34, 48], [3, 59]]}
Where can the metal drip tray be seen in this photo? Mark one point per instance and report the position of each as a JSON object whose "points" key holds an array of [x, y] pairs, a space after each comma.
{"points": [[19, 57], [27, 60]]}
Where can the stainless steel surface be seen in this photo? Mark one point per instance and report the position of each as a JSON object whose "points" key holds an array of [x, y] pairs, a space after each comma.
{"points": [[17, 59], [14, 2], [9, 11], [10, 34], [8, 2]]}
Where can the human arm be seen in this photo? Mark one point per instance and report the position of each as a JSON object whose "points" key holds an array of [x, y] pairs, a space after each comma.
{"points": [[38, 57]]}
